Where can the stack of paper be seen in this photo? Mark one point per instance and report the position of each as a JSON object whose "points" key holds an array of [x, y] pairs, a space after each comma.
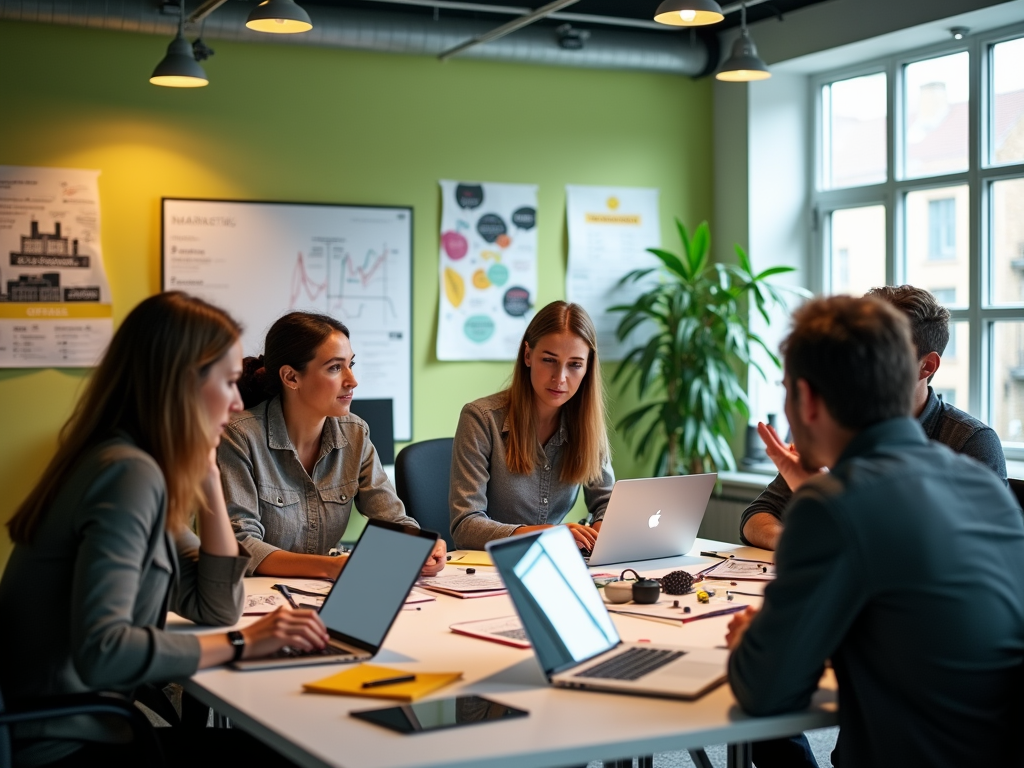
{"points": [[458, 583]]}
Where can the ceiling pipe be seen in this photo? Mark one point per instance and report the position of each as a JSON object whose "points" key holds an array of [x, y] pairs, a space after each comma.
{"points": [[508, 28], [384, 32]]}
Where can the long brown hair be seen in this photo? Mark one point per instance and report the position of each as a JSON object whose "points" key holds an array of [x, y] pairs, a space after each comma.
{"points": [[292, 340], [587, 448], [147, 385]]}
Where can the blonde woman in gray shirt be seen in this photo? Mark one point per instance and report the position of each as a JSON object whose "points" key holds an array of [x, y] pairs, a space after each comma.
{"points": [[294, 463], [521, 456], [104, 544]]}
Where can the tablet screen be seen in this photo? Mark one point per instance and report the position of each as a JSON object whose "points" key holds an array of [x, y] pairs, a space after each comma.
{"points": [[439, 713]]}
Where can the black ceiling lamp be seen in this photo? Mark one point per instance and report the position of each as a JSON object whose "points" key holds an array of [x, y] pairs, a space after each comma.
{"points": [[281, 17], [689, 13], [179, 68]]}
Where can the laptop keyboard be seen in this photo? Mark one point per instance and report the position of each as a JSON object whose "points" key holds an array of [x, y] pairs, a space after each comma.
{"points": [[632, 665], [295, 653]]}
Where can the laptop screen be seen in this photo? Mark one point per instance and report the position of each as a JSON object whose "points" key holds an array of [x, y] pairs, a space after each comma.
{"points": [[375, 581], [560, 608]]}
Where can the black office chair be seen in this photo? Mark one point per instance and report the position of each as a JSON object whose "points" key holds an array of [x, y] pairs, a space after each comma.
{"points": [[103, 703], [422, 477]]}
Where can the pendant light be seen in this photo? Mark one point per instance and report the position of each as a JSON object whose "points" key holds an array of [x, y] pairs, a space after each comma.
{"points": [[689, 13], [179, 68], [744, 65], [279, 17]]}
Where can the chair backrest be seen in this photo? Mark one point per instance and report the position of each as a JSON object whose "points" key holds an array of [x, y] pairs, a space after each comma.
{"points": [[422, 477], [1017, 487]]}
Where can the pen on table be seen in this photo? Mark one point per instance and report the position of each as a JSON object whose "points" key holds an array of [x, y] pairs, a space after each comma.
{"points": [[287, 595], [712, 614], [452, 559], [389, 681], [737, 559], [737, 592]]}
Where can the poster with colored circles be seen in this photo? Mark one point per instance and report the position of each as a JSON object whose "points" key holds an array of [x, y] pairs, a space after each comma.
{"points": [[488, 269]]}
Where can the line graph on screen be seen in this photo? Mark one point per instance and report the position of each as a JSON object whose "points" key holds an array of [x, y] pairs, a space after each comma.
{"points": [[332, 276]]}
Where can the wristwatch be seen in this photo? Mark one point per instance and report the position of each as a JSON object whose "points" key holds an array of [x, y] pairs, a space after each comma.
{"points": [[237, 640]]}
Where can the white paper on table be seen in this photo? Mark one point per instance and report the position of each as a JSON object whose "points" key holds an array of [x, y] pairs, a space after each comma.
{"points": [[460, 581], [266, 602], [742, 569], [319, 586], [663, 608], [610, 230]]}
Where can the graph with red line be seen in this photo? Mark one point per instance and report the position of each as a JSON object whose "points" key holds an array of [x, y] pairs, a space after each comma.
{"points": [[354, 284]]}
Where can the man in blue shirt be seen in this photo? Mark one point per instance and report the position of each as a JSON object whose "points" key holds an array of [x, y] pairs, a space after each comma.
{"points": [[903, 565]]}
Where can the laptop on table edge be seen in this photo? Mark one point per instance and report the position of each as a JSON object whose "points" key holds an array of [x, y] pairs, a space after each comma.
{"points": [[573, 635], [366, 597], [653, 517]]}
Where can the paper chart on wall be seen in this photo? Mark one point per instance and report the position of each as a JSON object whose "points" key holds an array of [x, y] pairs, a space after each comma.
{"points": [[55, 304], [610, 229], [488, 269]]}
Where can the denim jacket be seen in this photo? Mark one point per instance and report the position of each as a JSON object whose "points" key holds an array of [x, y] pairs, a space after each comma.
{"points": [[274, 504], [488, 501]]}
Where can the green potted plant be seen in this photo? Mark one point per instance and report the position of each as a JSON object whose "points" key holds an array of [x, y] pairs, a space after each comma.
{"points": [[691, 365]]}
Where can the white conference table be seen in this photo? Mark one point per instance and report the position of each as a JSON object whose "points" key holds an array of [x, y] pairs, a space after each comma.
{"points": [[564, 727]]}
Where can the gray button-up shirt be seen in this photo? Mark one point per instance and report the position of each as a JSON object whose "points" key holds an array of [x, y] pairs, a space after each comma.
{"points": [[488, 501], [274, 504]]}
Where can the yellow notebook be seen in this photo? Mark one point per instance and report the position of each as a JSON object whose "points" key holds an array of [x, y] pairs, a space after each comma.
{"points": [[470, 557], [350, 683]]}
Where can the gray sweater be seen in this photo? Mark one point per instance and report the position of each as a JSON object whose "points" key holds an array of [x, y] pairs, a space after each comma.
{"points": [[85, 602], [488, 501]]}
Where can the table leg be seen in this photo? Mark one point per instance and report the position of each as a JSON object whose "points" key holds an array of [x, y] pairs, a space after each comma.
{"points": [[739, 755], [700, 758]]}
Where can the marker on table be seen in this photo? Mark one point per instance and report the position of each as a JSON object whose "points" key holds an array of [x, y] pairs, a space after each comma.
{"points": [[287, 595], [389, 681], [712, 614]]}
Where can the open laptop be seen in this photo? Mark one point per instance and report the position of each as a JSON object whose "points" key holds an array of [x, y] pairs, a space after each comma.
{"points": [[572, 633], [652, 517], [364, 601]]}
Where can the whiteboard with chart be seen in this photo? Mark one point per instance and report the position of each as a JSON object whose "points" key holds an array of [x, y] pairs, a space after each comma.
{"points": [[261, 260]]}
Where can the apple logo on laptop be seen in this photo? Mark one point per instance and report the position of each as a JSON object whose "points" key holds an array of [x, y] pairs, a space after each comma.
{"points": [[653, 520]]}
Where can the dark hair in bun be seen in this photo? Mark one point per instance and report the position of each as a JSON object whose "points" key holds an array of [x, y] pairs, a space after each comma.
{"points": [[292, 340]]}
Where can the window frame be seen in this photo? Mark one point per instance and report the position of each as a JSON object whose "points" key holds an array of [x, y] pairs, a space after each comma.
{"points": [[978, 310]]}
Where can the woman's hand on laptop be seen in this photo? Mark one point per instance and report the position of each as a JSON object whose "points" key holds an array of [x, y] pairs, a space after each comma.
{"points": [[300, 629], [435, 563], [585, 535]]}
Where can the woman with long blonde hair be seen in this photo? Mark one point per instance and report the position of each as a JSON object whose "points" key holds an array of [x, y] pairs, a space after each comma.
{"points": [[521, 456], [104, 542]]}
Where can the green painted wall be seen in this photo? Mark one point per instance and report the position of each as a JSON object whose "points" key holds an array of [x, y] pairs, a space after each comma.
{"points": [[312, 124]]}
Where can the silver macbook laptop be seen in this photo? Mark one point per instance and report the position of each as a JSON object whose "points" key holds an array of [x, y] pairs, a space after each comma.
{"points": [[366, 598], [573, 635], [652, 517]]}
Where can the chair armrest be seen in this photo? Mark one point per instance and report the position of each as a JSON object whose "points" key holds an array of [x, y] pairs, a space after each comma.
{"points": [[100, 703]]}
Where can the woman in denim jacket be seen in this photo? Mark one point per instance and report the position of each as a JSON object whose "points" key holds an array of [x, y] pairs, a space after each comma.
{"points": [[294, 462]]}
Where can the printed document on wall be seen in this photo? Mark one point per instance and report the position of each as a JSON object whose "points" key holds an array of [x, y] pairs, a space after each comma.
{"points": [[55, 305], [488, 269], [610, 230]]}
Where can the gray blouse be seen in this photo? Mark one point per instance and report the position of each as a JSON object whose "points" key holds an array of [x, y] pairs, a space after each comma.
{"points": [[488, 501], [274, 504], [90, 593]]}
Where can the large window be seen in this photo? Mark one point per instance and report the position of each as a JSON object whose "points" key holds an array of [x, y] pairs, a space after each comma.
{"points": [[920, 179]]}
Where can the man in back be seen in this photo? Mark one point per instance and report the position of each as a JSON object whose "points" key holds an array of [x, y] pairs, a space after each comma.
{"points": [[761, 522], [904, 564]]}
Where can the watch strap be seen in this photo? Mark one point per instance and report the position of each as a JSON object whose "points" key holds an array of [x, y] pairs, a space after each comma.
{"points": [[237, 640]]}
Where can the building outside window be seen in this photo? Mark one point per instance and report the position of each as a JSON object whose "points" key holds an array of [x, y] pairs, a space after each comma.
{"points": [[919, 165]]}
